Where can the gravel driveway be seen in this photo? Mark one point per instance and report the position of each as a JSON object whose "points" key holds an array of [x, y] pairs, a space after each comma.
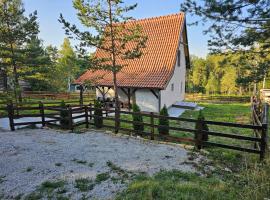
{"points": [[90, 165]]}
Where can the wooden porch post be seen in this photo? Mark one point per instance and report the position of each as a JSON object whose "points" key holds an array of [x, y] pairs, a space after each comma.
{"points": [[129, 104]]}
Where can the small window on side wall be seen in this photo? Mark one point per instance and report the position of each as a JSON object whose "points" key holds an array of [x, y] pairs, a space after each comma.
{"points": [[178, 58], [172, 87]]}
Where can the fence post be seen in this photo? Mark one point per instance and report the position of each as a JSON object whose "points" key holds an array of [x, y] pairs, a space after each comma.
{"points": [[86, 117], [263, 141], [90, 105], [117, 122], [198, 137], [42, 114], [70, 121], [10, 110], [152, 126]]}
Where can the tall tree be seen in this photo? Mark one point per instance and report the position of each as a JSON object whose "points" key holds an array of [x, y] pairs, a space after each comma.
{"points": [[15, 31], [102, 17], [228, 81], [199, 74], [212, 86], [67, 64], [38, 65], [253, 69]]}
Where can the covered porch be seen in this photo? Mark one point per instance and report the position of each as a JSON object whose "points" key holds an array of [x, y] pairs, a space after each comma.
{"points": [[148, 99]]}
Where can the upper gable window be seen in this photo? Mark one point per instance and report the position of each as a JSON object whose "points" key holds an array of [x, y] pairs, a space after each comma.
{"points": [[178, 57], [172, 87]]}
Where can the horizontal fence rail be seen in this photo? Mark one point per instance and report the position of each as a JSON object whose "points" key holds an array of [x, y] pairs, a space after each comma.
{"points": [[78, 115], [217, 98]]}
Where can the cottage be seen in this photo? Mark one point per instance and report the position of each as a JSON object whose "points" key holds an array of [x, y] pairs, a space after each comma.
{"points": [[158, 77]]}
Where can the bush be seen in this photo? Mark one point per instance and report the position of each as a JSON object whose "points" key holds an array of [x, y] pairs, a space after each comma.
{"points": [[64, 121], [137, 118], [163, 122], [98, 120], [201, 125]]}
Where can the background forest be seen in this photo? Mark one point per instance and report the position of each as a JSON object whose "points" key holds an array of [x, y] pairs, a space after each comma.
{"points": [[227, 74]]}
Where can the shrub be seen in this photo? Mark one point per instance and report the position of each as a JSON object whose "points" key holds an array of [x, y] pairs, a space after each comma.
{"points": [[64, 121], [98, 120], [200, 125], [163, 122], [137, 118]]}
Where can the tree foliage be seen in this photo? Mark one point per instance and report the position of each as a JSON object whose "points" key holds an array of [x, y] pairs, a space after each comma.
{"points": [[16, 30], [67, 68], [234, 24], [36, 71], [230, 74], [163, 121], [237, 27], [137, 118]]}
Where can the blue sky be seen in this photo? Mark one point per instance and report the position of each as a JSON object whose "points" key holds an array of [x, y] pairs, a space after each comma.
{"points": [[51, 31]]}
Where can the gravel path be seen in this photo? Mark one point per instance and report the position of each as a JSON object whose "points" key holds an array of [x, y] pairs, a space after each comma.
{"points": [[30, 157]]}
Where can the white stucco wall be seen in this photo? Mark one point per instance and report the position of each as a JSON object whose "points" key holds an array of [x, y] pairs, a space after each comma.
{"points": [[146, 100], [169, 97]]}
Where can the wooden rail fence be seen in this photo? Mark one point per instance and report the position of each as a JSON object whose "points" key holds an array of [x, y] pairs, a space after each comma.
{"points": [[217, 98], [84, 115]]}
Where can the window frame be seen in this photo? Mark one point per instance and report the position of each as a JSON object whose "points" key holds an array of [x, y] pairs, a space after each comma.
{"points": [[178, 58]]}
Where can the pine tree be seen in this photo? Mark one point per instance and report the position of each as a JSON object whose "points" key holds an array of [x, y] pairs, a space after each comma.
{"points": [[163, 121], [137, 118], [109, 32], [38, 66], [15, 31]]}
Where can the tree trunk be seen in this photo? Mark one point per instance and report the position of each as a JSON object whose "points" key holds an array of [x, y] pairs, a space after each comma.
{"points": [[17, 87], [81, 95], [5, 81], [117, 108], [255, 89], [240, 90], [264, 80]]}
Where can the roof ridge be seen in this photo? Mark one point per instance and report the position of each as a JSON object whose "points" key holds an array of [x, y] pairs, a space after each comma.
{"points": [[157, 17]]}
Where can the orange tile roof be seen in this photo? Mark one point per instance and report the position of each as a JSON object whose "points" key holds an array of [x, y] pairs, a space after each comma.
{"points": [[155, 67]]}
